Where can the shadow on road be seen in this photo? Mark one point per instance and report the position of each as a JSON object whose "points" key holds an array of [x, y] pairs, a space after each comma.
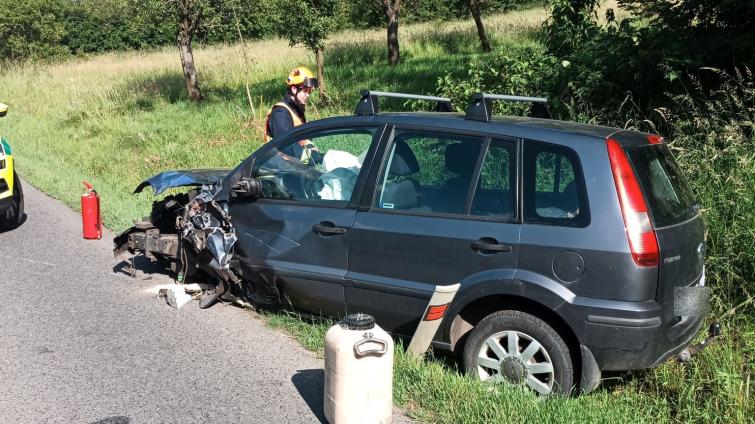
{"points": [[310, 384], [141, 264]]}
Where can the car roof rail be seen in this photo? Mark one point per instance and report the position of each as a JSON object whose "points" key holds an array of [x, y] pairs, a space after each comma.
{"points": [[480, 109], [368, 102]]}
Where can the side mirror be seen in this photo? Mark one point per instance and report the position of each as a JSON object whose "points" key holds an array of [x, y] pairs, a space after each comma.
{"points": [[3, 109], [247, 187]]}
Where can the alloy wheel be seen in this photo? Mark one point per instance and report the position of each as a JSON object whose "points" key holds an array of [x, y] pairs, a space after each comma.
{"points": [[516, 358]]}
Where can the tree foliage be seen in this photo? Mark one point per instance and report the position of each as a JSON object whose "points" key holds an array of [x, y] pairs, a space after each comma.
{"points": [[652, 52], [694, 33], [310, 23], [32, 29]]}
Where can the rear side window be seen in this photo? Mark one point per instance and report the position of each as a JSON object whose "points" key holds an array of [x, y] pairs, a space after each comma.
{"points": [[666, 191], [428, 172], [495, 196], [554, 190]]}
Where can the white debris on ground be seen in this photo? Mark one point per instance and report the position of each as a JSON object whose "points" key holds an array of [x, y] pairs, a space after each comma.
{"points": [[177, 296], [193, 288]]}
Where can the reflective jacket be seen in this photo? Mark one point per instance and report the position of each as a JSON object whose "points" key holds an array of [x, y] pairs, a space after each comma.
{"points": [[304, 150], [295, 118]]}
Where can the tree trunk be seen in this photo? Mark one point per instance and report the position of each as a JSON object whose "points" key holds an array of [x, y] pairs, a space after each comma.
{"points": [[188, 20], [391, 8], [321, 74], [474, 9]]}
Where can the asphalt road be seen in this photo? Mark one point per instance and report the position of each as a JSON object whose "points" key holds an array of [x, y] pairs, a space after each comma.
{"points": [[81, 342]]}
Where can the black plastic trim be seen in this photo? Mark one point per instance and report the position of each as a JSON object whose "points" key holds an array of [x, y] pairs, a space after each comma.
{"points": [[590, 374], [624, 322]]}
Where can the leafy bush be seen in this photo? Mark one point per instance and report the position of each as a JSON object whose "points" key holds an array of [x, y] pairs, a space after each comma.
{"points": [[31, 29], [713, 137], [520, 71], [651, 52], [695, 33]]}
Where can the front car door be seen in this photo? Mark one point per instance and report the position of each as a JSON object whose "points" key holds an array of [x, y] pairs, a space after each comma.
{"points": [[444, 211], [293, 240]]}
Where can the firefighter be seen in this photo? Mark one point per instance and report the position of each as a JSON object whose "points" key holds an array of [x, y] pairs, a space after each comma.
{"points": [[289, 113]]}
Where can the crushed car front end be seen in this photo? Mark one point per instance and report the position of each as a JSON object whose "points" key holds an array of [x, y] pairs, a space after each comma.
{"points": [[189, 233]]}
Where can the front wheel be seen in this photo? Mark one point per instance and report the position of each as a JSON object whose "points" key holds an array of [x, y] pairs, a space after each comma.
{"points": [[519, 349], [13, 216]]}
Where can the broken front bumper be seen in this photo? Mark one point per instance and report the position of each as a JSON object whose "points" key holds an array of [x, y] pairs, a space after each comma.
{"points": [[145, 238]]}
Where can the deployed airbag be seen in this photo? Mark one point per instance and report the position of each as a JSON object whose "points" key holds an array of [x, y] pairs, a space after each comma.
{"points": [[341, 170]]}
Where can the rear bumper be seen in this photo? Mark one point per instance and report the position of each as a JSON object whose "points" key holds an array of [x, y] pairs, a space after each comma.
{"points": [[634, 335], [629, 348]]}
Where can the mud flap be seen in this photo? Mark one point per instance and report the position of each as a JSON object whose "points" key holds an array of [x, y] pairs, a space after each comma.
{"points": [[591, 375]]}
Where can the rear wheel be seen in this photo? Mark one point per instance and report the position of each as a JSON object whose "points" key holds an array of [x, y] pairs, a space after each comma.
{"points": [[519, 349], [12, 217]]}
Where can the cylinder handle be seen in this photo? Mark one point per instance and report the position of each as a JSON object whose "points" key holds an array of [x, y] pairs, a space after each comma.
{"points": [[360, 350]]}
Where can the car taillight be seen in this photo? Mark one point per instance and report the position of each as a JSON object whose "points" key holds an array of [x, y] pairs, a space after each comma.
{"points": [[640, 233], [654, 139]]}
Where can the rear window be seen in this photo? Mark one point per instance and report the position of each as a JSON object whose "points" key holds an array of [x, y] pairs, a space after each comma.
{"points": [[667, 192], [554, 190]]}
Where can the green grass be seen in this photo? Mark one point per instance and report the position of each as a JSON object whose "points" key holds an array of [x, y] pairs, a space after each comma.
{"points": [[118, 118], [715, 387]]}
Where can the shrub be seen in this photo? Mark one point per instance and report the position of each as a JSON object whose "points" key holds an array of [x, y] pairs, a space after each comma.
{"points": [[713, 137], [31, 29], [519, 71]]}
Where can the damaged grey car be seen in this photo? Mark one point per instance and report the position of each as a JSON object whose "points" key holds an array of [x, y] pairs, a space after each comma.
{"points": [[576, 249]]}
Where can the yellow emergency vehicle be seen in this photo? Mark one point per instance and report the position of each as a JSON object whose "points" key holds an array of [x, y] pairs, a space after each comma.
{"points": [[11, 194]]}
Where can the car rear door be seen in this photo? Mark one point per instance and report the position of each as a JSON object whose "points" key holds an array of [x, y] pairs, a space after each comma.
{"points": [[434, 218], [676, 219], [295, 237]]}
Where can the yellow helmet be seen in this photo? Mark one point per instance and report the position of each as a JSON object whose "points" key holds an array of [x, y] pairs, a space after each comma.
{"points": [[302, 77]]}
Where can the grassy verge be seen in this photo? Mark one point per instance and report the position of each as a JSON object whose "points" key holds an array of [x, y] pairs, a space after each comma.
{"points": [[714, 387], [116, 119]]}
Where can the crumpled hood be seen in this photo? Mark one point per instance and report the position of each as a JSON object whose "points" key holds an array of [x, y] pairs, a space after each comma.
{"points": [[189, 177]]}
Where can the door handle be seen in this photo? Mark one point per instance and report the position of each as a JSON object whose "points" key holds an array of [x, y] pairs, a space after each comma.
{"points": [[328, 228], [491, 247]]}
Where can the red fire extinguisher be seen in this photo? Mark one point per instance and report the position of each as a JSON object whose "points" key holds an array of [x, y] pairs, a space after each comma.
{"points": [[90, 212]]}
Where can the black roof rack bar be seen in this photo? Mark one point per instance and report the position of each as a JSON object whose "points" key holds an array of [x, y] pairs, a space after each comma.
{"points": [[481, 110], [368, 103]]}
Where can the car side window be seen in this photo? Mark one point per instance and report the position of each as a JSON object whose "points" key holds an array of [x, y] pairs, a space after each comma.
{"points": [[323, 167], [554, 188], [495, 195], [428, 172]]}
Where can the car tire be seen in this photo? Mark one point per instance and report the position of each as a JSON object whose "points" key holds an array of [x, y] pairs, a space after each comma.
{"points": [[542, 360], [12, 217]]}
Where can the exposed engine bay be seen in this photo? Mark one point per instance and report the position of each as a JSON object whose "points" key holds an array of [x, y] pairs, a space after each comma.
{"points": [[191, 234]]}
